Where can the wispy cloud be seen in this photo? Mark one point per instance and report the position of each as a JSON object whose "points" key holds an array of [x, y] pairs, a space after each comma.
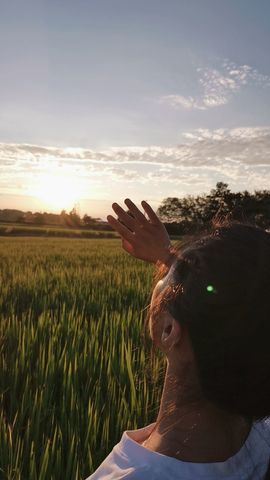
{"points": [[238, 155], [178, 101], [218, 86]]}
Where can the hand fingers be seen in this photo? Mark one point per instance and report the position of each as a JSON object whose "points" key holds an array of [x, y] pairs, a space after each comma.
{"points": [[120, 228], [136, 212], [150, 212], [129, 221]]}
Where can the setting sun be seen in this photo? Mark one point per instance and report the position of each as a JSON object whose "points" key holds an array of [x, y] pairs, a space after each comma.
{"points": [[57, 191]]}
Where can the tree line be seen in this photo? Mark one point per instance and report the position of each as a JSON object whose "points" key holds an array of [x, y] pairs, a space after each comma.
{"points": [[192, 214], [70, 219]]}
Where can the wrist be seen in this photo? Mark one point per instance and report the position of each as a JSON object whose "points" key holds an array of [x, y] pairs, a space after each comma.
{"points": [[167, 257]]}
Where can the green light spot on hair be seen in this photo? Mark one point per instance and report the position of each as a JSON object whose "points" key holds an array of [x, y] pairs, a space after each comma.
{"points": [[210, 288]]}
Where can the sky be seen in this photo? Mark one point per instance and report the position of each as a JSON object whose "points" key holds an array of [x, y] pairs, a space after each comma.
{"points": [[106, 99]]}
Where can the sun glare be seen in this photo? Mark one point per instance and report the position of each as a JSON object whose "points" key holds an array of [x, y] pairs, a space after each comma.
{"points": [[57, 192]]}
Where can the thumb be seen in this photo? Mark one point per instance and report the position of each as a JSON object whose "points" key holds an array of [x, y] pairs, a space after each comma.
{"points": [[127, 246]]}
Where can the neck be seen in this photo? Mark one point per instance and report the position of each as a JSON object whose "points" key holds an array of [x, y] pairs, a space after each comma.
{"points": [[190, 428]]}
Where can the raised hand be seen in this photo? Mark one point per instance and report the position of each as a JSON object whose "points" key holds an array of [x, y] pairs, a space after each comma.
{"points": [[142, 237]]}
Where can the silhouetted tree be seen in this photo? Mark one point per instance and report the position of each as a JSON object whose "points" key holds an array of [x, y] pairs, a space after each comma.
{"points": [[192, 213], [90, 221], [75, 218], [39, 218]]}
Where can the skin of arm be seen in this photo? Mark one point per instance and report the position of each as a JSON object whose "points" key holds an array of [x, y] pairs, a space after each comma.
{"points": [[143, 237]]}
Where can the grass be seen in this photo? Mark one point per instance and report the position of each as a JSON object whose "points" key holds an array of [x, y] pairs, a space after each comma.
{"points": [[75, 372]]}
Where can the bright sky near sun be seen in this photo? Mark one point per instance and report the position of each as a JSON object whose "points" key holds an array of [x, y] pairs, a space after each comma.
{"points": [[104, 99]]}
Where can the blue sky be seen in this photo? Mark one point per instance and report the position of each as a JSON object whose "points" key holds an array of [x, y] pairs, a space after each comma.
{"points": [[146, 99]]}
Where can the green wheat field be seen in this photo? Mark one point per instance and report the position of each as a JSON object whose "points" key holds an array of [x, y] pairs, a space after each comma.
{"points": [[75, 369]]}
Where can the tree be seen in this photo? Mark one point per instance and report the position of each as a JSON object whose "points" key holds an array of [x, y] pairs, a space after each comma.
{"points": [[193, 214], [90, 221], [74, 218], [218, 202], [186, 212], [170, 209], [39, 218]]}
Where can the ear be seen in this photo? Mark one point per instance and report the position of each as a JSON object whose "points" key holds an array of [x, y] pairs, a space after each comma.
{"points": [[171, 332]]}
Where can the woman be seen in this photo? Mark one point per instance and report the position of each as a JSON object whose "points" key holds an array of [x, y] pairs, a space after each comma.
{"points": [[210, 315]]}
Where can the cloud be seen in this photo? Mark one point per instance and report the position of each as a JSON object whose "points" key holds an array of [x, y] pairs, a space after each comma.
{"points": [[239, 155], [121, 173], [218, 86], [249, 145], [177, 101]]}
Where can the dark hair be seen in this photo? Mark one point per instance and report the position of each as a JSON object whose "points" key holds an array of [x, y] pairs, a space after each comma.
{"points": [[221, 292]]}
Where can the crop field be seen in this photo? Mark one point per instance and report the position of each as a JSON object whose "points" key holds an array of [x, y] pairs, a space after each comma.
{"points": [[75, 371]]}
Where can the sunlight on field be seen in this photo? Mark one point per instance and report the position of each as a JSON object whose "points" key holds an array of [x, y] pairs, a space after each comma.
{"points": [[74, 370]]}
